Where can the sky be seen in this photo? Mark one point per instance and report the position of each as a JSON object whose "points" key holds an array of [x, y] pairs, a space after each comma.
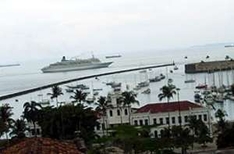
{"points": [[40, 29]]}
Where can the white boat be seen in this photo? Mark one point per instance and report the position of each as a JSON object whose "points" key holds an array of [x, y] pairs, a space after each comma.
{"points": [[75, 65], [147, 91], [189, 81]]}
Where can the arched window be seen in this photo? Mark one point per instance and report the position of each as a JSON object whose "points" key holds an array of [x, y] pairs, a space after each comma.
{"points": [[118, 112], [111, 113], [126, 111]]}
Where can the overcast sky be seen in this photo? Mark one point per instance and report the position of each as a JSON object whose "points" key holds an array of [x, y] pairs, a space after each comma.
{"points": [[48, 28]]}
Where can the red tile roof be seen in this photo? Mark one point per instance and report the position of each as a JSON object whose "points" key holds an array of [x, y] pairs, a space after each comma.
{"points": [[168, 107], [41, 146]]}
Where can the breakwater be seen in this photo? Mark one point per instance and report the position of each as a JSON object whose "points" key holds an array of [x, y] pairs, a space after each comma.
{"points": [[24, 92], [209, 66]]}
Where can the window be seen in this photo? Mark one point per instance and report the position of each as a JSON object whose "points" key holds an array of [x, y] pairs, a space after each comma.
{"points": [[146, 122], [141, 122], [156, 134], [33, 131], [185, 118], [167, 120], [38, 131], [200, 117], [103, 126], [111, 113], [155, 121], [205, 117], [135, 122], [98, 126], [118, 112], [179, 120], [126, 111], [173, 120], [161, 121]]}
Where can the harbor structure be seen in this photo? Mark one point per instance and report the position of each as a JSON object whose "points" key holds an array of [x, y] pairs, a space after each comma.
{"points": [[209, 66]]}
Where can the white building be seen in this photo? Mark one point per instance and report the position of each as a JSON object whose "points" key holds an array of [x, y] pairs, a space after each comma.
{"points": [[169, 114], [154, 114]]}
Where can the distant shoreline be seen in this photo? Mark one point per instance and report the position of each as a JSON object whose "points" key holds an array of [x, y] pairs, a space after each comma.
{"points": [[9, 65]]}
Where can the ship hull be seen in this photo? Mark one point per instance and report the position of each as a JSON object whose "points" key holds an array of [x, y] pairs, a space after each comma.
{"points": [[75, 67]]}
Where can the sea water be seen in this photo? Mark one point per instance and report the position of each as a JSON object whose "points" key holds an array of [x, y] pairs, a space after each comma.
{"points": [[28, 75]]}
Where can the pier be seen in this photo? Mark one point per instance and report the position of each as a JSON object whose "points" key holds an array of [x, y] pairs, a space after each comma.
{"points": [[8, 96]]}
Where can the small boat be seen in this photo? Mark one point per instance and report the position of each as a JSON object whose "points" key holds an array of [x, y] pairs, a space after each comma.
{"points": [[95, 93], [137, 88], [143, 71], [114, 85], [189, 81], [229, 46], [97, 89], [156, 79], [201, 86], [79, 86], [147, 91], [69, 90], [113, 56], [143, 84], [162, 76], [175, 68]]}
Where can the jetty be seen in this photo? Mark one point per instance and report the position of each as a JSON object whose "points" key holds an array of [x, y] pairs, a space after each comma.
{"points": [[23, 92], [9, 65], [209, 66]]}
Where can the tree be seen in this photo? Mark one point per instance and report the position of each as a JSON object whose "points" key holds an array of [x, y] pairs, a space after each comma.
{"points": [[220, 115], [129, 98], [75, 119], [31, 113], [5, 118], [18, 128], [79, 96], [181, 138], [167, 92], [103, 105], [56, 92]]}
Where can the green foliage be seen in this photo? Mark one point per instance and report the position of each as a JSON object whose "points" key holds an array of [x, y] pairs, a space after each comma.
{"points": [[56, 92], [5, 118], [79, 96], [31, 112], [18, 128], [65, 122], [167, 91], [200, 130], [226, 138]]}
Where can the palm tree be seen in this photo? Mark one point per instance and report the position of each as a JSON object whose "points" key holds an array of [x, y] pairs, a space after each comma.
{"points": [[31, 113], [18, 128], [167, 92], [56, 91], [129, 98], [79, 96], [103, 105], [5, 117]]}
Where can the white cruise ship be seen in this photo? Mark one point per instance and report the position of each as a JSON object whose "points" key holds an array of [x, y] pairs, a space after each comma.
{"points": [[74, 65]]}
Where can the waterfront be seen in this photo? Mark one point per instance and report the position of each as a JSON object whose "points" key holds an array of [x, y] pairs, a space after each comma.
{"points": [[28, 75]]}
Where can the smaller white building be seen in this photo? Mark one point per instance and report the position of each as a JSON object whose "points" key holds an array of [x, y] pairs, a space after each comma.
{"points": [[160, 115]]}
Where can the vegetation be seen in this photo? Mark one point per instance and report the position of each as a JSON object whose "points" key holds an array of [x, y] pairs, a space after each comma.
{"points": [[31, 113], [167, 92], [56, 92]]}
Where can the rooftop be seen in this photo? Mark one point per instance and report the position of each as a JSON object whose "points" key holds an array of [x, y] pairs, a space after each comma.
{"points": [[168, 107], [41, 146]]}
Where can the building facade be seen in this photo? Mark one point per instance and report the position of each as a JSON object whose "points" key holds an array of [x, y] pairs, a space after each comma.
{"points": [[160, 115]]}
